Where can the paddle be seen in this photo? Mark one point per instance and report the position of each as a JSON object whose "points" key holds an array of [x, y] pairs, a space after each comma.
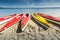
{"points": [[19, 27]]}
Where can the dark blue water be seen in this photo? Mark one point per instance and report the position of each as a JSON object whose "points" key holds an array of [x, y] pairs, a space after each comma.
{"points": [[9, 11]]}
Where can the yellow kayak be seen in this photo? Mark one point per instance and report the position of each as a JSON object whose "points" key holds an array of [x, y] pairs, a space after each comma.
{"points": [[40, 19]]}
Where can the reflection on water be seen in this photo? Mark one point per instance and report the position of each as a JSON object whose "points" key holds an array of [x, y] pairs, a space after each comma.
{"points": [[4, 12]]}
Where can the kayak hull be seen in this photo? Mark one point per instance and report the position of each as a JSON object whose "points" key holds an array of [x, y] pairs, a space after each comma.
{"points": [[6, 19], [49, 17], [10, 23], [25, 21], [40, 19]]}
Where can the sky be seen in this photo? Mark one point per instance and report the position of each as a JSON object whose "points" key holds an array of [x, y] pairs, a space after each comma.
{"points": [[29, 3]]}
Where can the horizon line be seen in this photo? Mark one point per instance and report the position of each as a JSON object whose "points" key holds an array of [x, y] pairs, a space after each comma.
{"points": [[31, 7]]}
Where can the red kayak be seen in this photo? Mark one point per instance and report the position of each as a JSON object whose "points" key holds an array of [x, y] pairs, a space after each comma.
{"points": [[11, 22], [49, 17], [5, 19], [24, 21]]}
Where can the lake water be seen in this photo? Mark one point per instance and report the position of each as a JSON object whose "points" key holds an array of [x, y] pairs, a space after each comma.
{"points": [[5, 12]]}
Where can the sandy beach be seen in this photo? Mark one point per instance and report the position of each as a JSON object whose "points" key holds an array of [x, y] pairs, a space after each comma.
{"points": [[32, 32]]}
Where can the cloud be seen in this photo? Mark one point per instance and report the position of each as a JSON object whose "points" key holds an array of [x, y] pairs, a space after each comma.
{"points": [[50, 0], [29, 3]]}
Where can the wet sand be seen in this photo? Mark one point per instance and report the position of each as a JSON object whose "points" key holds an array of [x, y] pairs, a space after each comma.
{"points": [[32, 32]]}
